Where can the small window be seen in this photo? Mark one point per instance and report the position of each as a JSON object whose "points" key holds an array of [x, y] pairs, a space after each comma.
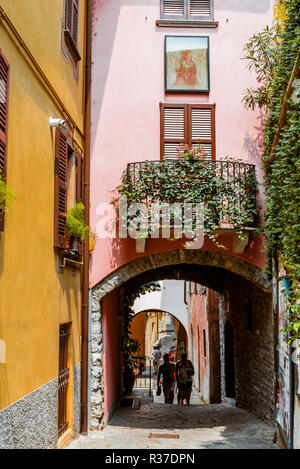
{"points": [[187, 9], [63, 378]]}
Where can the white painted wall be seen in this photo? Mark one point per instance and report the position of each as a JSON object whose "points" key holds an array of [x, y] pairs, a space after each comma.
{"points": [[170, 299]]}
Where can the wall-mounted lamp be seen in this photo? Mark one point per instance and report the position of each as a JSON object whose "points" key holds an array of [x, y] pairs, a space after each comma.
{"points": [[56, 122]]}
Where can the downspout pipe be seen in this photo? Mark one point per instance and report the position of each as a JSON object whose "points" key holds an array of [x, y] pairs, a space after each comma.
{"points": [[85, 280]]}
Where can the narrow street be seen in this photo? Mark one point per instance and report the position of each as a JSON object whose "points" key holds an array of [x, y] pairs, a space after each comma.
{"points": [[155, 425], [149, 223]]}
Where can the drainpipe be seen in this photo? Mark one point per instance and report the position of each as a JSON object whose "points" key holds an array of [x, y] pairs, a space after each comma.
{"points": [[85, 282]]}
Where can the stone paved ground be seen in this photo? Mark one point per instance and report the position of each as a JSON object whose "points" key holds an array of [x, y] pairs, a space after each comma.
{"points": [[214, 426]]}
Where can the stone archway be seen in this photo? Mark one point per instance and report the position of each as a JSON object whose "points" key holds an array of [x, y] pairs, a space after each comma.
{"points": [[176, 264], [172, 258]]}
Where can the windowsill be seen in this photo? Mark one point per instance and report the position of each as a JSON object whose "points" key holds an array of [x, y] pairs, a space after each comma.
{"points": [[69, 259], [71, 45], [186, 23], [72, 255]]}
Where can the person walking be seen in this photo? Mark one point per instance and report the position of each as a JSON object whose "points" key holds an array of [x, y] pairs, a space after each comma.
{"points": [[184, 377], [156, 358], [167, 370]]}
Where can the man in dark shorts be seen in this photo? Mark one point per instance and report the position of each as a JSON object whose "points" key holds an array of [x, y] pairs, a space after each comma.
{"points": [[184, 377], [167, 370]]}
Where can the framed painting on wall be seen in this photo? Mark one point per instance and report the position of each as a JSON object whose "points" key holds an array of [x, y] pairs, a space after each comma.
{"points": [[187, 64]]}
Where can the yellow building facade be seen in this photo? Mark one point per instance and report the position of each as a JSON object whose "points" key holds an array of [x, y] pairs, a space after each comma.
{"points": [[40, 283]]}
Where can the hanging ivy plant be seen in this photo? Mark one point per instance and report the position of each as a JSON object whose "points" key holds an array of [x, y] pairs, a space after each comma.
{"points": [[282, 174], [227, 189]]}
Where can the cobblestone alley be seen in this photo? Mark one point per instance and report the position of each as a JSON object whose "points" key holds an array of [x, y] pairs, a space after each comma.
{"points": [[155, 425]]}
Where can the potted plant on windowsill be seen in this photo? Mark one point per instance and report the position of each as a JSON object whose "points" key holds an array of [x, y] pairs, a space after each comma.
{"points": [[77, 230]]}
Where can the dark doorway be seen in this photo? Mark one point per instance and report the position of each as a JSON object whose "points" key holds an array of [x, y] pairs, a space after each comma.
{"points": [[229, 361]]}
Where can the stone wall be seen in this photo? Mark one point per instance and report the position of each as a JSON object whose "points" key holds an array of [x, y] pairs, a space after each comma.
{"points": [[31, 422], [97, 385], [214, 346], [253, 351], [222, 315]]}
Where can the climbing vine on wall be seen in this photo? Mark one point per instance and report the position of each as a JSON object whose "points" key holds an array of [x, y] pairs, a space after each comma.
{"points": [[282, 170], [227, 189]]}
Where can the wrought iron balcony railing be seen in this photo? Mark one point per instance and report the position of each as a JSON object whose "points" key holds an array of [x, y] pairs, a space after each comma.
{"points": [[228, 188]]}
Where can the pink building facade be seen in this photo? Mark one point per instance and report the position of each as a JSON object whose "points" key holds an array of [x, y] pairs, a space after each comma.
{"points": [[128, 87], [128, 92]]}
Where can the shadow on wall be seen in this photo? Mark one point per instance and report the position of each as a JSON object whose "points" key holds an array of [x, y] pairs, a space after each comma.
{"points": [[253, 143], [258, 6]]}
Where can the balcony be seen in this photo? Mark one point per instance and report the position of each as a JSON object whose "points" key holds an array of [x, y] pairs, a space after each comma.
{"points": [[226, 188]]}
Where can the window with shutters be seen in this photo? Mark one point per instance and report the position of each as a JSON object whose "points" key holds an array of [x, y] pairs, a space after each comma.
{"points": [[4, 88], [187, 11], [204, 343], [71, 19], [68, 183], [70, 33], [189, 124]]}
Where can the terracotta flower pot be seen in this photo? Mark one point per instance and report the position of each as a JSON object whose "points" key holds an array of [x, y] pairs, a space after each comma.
{"points": [[68, 239]]}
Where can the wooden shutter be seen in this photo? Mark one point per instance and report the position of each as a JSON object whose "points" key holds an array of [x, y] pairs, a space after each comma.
{"points": [[68, 14], [200, 9], [60, 195], [173, 128], [202, 127], [4, 92], [187, 123], [75, 21], [186, 9], [173, 9], [71, 18]]}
